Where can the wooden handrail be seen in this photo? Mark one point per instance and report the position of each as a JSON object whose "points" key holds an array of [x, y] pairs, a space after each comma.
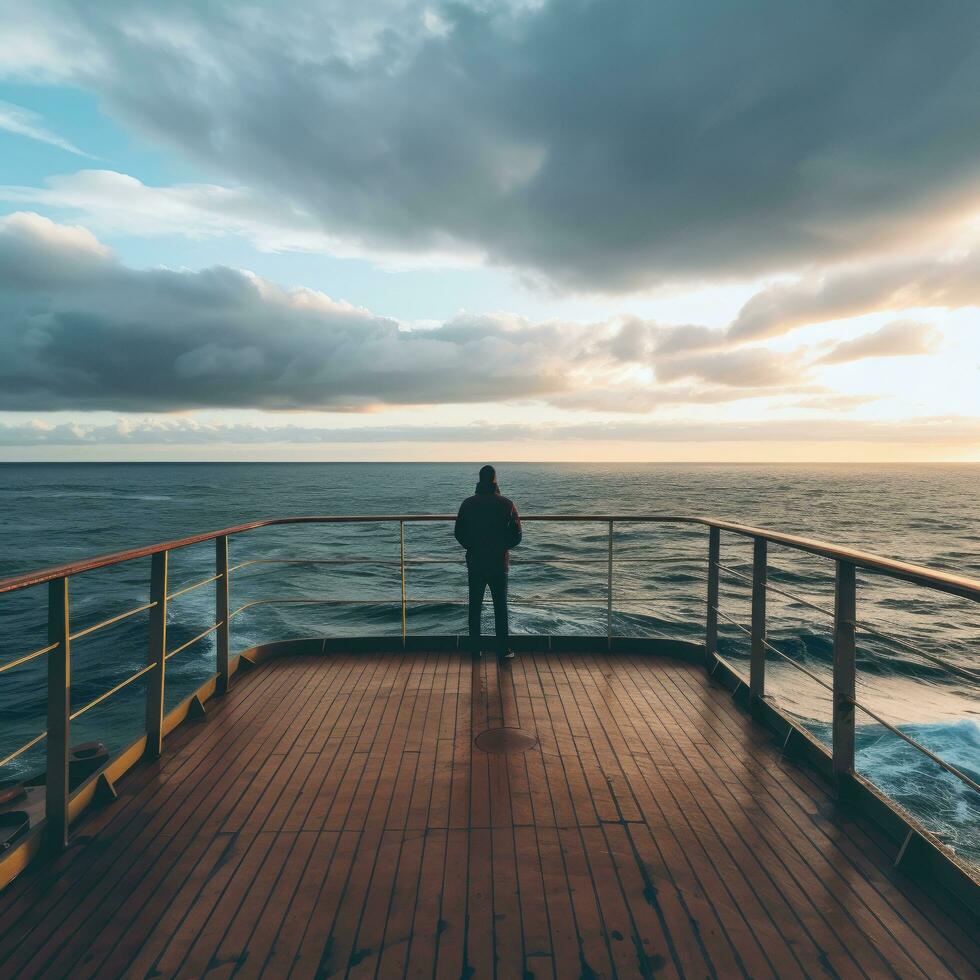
{"points": [[948, 582]]}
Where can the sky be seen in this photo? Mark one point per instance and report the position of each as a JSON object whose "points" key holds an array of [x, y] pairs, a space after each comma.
{"points": [[508, 230]]}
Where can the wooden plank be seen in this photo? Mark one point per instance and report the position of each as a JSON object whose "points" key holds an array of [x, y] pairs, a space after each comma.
{"points": [[284, 946], [830, 932], [241, 910], [284, 903], [566, 945], [427, 924], [367, 940], [450, 961], [678, 871], [315, 948], [632, 954], [391, 959], [655, 831], [440, 796], [507, 908], [535, 929], [205, 921], [593, 948], [791, 812], [123, 856], [479, 765], [138, 949], [479, 906]]}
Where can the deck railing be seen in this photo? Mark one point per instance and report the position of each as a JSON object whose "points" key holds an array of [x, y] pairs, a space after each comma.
{"points": [[843, 617]]}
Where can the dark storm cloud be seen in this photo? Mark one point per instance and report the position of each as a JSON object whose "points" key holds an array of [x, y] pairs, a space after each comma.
{"points": [[605, 145], [80, 330]]}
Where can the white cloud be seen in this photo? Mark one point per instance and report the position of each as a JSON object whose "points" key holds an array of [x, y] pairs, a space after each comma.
{"points": [[901, 338], [24, 122], [118, 203], [81, 331], [950, 431]]}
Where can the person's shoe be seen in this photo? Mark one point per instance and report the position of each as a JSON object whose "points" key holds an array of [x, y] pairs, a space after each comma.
{"points": [[506, 656]]}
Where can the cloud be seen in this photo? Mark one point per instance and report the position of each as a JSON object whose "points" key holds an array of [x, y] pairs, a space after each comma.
{"points": [[902, 338], [24, 122], [80, 330], [945, 431], [834, 403], [748, 367], [606, 147], [948, 281], [118, 203]]}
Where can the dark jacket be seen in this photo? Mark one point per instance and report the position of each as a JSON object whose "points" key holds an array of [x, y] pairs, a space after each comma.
{"points": [[487, 526]]}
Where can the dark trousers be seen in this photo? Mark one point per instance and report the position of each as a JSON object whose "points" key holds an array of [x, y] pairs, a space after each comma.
{"points": [[497, 580]]}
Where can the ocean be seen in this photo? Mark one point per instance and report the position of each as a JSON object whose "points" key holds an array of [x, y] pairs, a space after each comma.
{"points": [[928, 514]]}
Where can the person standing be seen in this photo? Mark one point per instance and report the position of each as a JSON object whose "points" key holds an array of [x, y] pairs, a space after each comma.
{"points": [[488, 526]]}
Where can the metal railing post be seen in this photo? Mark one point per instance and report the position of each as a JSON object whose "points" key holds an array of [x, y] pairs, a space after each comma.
{"points": [[845, 616], [221, 610], [757, 667], [157, 655], [401, 543], [711, 628], [59, 712], [609, 589]]}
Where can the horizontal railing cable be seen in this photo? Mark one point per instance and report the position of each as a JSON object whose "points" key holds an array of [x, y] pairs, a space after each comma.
{"points": [[111, 691], [192, 641], [456, 560], [779, 653], [941, 581], [427, 600], [193, 586], [78, 634], [13, 755], [942, 763], [33, 655], [945, 664]]}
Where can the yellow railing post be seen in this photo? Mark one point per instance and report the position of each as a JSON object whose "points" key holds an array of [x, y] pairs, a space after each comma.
{"points": [[59, 712], [757, 667], [221, 587], [157, 655], [711, 627]]}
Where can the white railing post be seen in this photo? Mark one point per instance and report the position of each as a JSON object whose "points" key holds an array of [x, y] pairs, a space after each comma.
{"points": [[845, 614], [609, 588], [59, 712], [156, 655], [221, 586], [757, 667], [711, 627]]}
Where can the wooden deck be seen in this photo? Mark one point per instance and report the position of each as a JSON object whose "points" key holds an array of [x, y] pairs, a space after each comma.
{"points": [[332, 817]]}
